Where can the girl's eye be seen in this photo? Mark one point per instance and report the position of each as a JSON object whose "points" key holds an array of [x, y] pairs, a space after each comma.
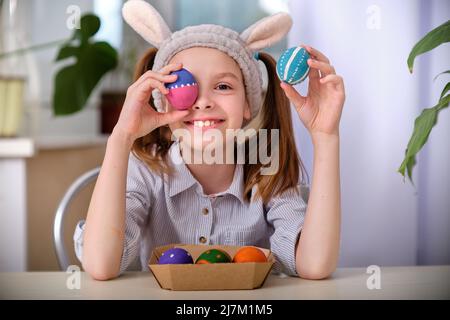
{"points": [[223, 86]]}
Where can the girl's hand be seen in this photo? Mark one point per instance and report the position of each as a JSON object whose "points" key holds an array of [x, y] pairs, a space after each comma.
{"points": [[320, 111], [137, 117]]}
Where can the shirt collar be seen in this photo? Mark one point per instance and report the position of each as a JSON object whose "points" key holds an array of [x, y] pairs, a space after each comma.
{"points": [[183, 179]]}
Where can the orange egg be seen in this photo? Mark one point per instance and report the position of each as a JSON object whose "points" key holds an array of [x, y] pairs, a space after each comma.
{"points": [[249, 254]]}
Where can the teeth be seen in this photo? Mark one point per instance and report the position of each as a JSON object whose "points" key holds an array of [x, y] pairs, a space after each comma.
{"points": [[206, 123]]}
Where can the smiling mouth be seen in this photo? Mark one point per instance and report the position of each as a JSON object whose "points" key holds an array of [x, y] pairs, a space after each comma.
{"points": [[204, 123]]}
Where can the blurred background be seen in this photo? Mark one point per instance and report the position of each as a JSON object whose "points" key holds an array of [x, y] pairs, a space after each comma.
{"points": [[45, 146]]}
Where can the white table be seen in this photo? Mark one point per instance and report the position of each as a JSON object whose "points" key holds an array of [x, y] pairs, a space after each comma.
{"points": [[422, 282]]}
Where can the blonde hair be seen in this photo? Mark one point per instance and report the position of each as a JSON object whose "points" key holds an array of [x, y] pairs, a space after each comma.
{"points": [[275, 113]]}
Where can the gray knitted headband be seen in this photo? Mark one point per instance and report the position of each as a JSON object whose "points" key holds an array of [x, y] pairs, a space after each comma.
{"points": [[146, 21]]}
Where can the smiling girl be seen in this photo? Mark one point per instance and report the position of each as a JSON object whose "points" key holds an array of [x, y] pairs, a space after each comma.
{"points": [[148, 194]]}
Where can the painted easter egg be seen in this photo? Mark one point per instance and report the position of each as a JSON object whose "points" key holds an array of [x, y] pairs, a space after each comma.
{"points": [[249, 254], [184, 91], [213, 256], [292, 67], [175, 256]]}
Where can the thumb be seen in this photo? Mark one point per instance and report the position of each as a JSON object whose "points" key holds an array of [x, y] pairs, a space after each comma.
{"points": [[292, 94], [170, 117]]}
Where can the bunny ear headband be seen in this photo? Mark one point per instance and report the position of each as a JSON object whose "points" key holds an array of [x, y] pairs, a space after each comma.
{"points": [[146, 21]]}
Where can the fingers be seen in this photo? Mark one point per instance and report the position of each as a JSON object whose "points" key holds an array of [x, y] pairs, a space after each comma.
{"points": [[144, 88], [319, 63], [165, 71], [155, 75], [171, 67], [155, 80], [338, 81], [325, 68], [296, 98], [162, 75], [316, 54]]}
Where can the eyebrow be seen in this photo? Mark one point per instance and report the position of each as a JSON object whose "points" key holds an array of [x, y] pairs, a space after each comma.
{"points": [[226, 74]]}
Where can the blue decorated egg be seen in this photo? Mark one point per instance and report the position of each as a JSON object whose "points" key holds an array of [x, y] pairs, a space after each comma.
{"points": [[175, 256], [184, 91], [292, 67]]}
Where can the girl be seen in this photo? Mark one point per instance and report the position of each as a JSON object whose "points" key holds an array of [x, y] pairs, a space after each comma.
{"points": [[154, 195]]}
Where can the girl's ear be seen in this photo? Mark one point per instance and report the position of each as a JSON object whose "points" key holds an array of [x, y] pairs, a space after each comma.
{"points": [[267, 31], [146, 21]]}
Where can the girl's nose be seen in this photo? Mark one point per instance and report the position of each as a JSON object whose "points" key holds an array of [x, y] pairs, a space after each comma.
{"points": [[202, 103], [198, 106]]}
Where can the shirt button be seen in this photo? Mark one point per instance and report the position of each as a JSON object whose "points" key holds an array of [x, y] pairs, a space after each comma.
{"points": [[202, 239], [205, 211]]}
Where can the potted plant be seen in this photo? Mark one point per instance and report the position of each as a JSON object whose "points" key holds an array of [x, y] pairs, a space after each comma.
{"points": [[74, 82]]}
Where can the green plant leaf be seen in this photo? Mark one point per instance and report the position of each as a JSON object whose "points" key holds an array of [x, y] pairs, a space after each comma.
{"points": [[443, 102], [74, 83], [448, 71], [446, 88], [409, 167], [422, 128], [67, 52], [431, 40], [89, 26]]}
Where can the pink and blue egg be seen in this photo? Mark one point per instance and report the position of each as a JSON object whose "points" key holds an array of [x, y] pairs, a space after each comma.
{"points": [[184, 91]]}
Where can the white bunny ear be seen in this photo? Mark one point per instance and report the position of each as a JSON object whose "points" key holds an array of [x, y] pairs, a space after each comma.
{"points": [[146, 21], [267, 31]]}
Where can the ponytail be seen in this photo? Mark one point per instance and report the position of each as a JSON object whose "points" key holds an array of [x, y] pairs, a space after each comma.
{"points": [[275, 114]]}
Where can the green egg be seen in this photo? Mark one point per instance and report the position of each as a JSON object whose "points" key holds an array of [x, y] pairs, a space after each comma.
{"points": [[213, 256]]}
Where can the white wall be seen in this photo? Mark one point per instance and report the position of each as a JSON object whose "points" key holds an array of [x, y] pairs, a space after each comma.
{"points": [[434, 170], [385, 221]]}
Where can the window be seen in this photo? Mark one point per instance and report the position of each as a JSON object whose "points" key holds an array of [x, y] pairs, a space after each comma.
{"points": [[110, 14]]}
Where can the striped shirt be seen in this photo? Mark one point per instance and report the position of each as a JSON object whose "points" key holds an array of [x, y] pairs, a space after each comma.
{"points": [[161, 210]]}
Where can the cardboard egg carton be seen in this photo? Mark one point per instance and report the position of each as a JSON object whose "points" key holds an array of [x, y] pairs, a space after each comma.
{"points": [[215, 276]]}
